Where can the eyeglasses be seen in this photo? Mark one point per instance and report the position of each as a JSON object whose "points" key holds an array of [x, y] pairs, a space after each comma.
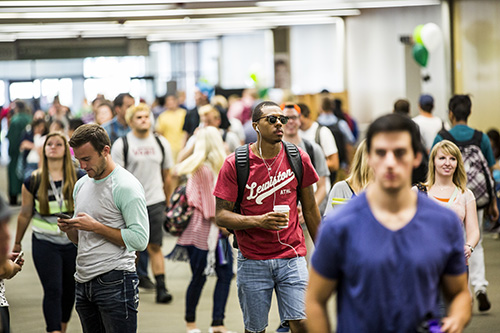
{"points": [[272, 119]]}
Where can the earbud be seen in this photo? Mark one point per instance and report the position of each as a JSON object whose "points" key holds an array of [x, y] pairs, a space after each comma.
{"points": [[257, 129]]}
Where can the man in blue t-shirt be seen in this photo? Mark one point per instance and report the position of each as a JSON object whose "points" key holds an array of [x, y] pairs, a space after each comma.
{"points": [[459, 111], [387, 252]]}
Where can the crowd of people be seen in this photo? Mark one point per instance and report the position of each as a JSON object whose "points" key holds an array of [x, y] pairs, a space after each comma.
{"points": [[295, 192]]}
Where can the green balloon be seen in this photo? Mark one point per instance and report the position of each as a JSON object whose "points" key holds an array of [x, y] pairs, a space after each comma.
{"points": [[417, 34], [420, 54]]}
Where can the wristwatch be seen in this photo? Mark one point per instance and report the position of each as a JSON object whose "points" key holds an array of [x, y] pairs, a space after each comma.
{"points": [[471, 248]]}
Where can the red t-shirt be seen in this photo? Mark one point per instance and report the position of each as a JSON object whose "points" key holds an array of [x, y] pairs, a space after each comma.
{"points": [[265, 189]]}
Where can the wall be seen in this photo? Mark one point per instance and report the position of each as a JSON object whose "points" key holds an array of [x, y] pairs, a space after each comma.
{"points": [[316, 54], [244, 55], [376, 62], [477, 59]]}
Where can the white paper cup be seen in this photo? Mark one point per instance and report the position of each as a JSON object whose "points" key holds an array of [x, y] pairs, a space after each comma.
{"points": [[283, 209]]}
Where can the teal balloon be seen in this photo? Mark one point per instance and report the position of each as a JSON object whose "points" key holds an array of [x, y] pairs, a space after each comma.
{"points": [[417, 34], [420, 54]]}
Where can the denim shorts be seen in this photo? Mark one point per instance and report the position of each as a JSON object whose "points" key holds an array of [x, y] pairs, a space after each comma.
{"points": [[256, 280]]}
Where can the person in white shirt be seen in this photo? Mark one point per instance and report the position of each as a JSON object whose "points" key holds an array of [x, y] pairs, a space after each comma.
{"points": [[311, 130], [428, 124]]}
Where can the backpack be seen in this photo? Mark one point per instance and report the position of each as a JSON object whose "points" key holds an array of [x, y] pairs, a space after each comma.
{"points": [[125, 150], [242, 162], [310, 151], [339, 141], [479, 179], [179, 212]]}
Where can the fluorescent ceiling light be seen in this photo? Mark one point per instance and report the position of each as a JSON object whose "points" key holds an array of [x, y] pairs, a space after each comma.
{"points": [[47, 35], [86, 9], [398, 3], [143, 13], [329, 4], [76, 3]]}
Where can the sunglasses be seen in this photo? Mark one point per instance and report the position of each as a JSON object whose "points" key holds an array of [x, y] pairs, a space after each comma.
{"points": [[272, 119]]}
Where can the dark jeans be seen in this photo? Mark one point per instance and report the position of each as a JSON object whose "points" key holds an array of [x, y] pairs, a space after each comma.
{"points": [[55, 265], [142, 263], [198, 262], [4, 319], [108, 303]]}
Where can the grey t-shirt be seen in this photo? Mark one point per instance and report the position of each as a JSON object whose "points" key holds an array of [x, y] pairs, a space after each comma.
{"points": [[143, 161], [116, 201]]}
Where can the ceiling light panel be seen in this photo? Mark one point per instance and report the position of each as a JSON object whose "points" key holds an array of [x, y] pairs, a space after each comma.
{"points": [[78, 3]]}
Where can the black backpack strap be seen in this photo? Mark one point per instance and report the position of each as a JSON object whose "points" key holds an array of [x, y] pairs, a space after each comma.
{"points": [[477, 138], [295, 160], [309, 150], [242, 162], [447, 136], [125, 151], [157, 137], [317, 137]]}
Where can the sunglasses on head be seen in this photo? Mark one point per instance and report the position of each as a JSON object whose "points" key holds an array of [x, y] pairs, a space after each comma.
{"points": [[272, 119], [290, 106]]}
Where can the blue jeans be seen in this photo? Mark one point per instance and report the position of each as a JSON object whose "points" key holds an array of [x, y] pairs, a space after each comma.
{"points": [[108, 303], [224, 271], [256, 280]]}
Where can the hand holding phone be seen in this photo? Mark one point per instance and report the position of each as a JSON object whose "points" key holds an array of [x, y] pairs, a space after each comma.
{"points": [[19, 257], [63, 216]]}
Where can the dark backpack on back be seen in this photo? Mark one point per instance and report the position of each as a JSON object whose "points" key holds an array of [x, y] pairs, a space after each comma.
{"points": [[479, 179], [339, 141], [242, 162]]}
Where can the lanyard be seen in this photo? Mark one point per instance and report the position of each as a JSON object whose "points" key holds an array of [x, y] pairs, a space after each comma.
{"points": [[57, 193]]}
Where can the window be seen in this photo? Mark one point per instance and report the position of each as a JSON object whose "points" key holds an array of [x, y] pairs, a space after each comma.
{"points": [[58, 87], [24, 90]]}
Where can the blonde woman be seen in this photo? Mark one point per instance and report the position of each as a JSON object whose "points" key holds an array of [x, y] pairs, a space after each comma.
{"points": [[47, 191], [202, 238], [446, 184], [359, 177]]}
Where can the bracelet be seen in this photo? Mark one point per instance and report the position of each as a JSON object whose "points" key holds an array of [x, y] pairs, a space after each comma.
{"points": [[471, 248]]}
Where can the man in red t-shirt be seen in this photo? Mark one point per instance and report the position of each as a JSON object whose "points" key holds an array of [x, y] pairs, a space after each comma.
{"points": [[271, 254]]}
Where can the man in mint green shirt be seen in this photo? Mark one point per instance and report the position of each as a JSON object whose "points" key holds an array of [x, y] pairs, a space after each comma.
{"points": [[109, 225]]}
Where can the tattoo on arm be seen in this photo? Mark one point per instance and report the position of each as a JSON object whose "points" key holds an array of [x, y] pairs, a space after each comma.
{"points": [[223, 205]]}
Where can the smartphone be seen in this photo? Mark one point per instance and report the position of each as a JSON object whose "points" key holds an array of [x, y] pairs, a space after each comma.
{"points": [[19, 256], [63, 216]]}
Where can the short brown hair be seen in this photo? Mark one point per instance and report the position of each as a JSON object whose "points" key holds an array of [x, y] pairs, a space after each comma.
{"points": [[92, 133]]}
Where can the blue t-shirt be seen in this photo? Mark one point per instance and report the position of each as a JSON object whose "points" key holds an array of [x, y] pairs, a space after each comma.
{"points": [[388, 281], [465, 133]]}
